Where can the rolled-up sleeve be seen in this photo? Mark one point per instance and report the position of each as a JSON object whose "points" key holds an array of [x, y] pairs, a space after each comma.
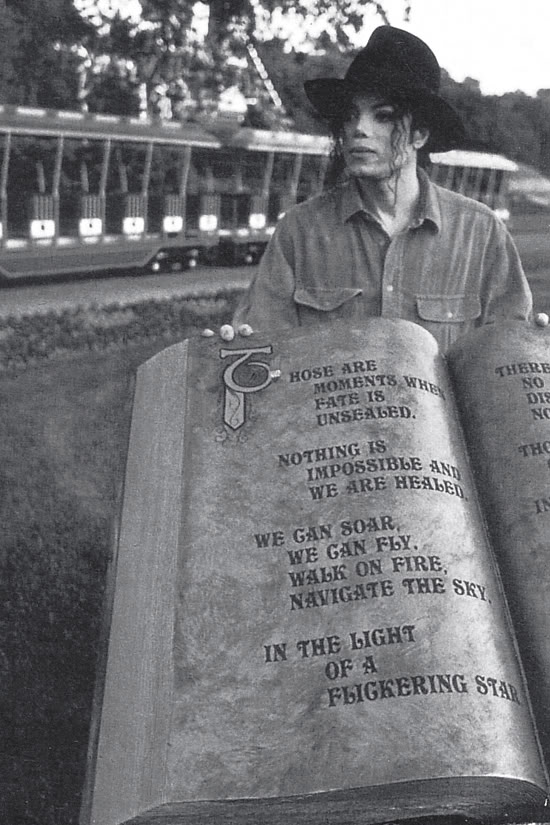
{"points": [[505, 292], [269, 301]]}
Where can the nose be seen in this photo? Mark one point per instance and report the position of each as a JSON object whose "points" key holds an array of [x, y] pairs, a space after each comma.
{"points": [[364, 125]]}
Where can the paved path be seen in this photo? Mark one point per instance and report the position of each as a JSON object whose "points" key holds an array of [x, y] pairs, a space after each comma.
{"points": [[40, 299]]}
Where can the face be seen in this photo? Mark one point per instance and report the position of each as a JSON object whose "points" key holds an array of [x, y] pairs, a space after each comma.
{"points": [[377, 143]]}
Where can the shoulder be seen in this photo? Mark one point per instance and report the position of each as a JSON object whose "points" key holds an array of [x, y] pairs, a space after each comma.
{"points": [[468, 219], [325, 202], [316, 219], [454, 203]]}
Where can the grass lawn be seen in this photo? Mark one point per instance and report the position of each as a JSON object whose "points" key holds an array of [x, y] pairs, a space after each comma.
{"points": [[64, 429]]}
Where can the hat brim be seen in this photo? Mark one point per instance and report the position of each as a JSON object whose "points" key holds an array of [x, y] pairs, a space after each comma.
{"points": [[330, 97]]}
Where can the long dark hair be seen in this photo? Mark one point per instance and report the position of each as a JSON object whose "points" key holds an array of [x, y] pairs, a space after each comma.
{"points": [[336, 171]]}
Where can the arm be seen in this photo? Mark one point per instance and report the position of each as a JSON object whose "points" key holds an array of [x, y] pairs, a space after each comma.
{"points": [[269, 301], [505, 292]]}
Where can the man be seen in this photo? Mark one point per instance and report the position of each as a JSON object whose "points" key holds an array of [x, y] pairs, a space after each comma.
{"points": [[384, 240]]}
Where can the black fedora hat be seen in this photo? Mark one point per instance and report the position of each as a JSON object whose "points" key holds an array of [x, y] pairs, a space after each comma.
{"points": [[401, 65]]}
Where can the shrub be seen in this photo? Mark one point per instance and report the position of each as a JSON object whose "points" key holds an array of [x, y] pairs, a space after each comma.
{"points": [[31, 339]]}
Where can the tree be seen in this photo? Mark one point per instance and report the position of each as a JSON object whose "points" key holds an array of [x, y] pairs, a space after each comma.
{"points": [[39, 63]]}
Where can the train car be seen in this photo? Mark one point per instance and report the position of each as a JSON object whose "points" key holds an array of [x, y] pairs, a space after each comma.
{"points": [[483, 176], [258, 175], [84, 193], [530, 201], [90, 193]]}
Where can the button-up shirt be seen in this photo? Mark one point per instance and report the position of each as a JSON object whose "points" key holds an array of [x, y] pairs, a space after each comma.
{"points": [[453, 268]]}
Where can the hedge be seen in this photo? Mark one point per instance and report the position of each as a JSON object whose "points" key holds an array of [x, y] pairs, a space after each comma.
{"points": [[29, 339]]}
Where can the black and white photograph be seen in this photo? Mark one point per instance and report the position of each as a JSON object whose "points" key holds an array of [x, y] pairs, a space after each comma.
{"points": [[275, 412]]}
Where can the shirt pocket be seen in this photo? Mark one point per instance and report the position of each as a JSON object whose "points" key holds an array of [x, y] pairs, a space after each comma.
{"points": [[447, 316], [316, 305]]}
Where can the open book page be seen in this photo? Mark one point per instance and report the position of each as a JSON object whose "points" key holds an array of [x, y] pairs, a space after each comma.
{"points": [[336, 618], [502, 377]]}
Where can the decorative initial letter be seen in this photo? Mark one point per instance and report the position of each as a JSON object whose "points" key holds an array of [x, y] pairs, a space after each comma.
{"points": [[259, 376]]}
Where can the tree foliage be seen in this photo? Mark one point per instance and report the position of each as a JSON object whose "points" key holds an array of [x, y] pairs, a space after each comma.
{"points": [[163, 56], [514, 124], [337, 21], [39, 62], [163, 62]]}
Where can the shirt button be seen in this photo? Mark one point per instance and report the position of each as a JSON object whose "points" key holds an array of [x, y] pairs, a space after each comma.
{"points": [[389, 288], [449, 314]]}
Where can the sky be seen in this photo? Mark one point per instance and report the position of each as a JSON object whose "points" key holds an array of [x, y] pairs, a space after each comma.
{"points": [[505, 44]]}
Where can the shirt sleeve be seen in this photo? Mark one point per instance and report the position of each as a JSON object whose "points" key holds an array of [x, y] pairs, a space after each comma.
{"points": [[505, 292], [269, 301]]}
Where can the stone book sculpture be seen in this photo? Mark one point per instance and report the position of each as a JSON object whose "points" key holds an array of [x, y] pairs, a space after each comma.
{"points": [[329, 594]]}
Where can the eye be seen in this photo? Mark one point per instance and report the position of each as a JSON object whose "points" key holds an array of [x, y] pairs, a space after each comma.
{"points": [[386, 114], [351, 114]]}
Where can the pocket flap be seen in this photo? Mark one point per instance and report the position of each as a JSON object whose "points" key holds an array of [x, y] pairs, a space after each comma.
{"points": [[325, 299], [448, 308]]}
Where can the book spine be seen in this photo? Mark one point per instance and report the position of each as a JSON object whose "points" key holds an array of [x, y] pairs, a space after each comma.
{"points": [[129, 773]]}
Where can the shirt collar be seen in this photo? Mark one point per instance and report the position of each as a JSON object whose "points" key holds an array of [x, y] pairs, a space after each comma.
{"points": [[428, 208]]}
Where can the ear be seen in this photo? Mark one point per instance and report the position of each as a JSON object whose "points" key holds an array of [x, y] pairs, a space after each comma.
{"points": [[419, 138]]}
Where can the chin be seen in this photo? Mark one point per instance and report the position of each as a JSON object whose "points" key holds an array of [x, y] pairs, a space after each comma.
{"points": [[369, 172]]}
